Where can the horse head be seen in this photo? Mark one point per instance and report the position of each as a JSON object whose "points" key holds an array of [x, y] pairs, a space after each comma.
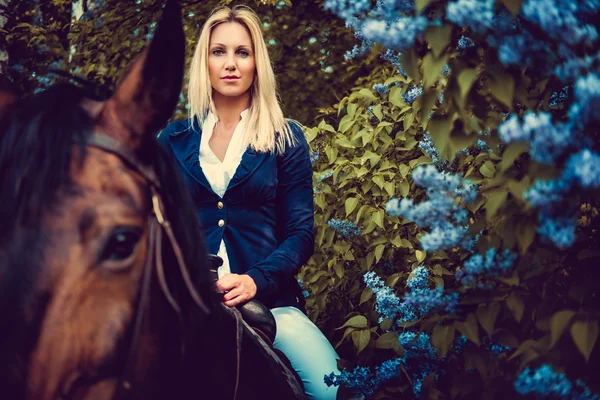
{"points": [[82, 183]]}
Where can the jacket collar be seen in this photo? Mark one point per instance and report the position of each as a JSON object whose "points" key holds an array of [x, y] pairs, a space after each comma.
{"points": [[185, 143]]}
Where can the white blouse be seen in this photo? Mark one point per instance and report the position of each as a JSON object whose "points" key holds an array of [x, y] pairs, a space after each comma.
{"points": [[220, 173]]}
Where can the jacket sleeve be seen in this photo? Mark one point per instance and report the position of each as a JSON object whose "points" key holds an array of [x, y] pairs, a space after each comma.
{"points": [[295, 218]]}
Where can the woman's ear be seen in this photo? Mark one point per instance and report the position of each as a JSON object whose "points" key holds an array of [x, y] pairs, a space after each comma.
{"points": [[147, 94]]}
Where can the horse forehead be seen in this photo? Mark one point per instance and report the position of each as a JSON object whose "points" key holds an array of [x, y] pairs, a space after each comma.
{"points": [[106, 173]]}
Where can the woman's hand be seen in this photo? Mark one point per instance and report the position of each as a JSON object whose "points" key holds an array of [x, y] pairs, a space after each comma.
{"points": [[237, 288]]}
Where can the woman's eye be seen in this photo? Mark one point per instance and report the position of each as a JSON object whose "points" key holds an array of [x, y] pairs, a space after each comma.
{"points": [[218, 52], [243, 53], [121, 244]]}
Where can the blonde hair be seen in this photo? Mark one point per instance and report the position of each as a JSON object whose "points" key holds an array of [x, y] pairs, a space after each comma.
{"points": [[267, 130]]}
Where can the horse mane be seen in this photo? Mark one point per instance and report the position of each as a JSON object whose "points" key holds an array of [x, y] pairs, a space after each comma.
{"points": [[37, 138]]}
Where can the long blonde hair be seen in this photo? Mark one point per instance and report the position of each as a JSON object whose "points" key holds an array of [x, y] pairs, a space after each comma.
{"points": [[267, 130]]}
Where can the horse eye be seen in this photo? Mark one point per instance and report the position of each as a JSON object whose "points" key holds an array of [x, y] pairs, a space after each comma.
{"points": [[121, 244]]}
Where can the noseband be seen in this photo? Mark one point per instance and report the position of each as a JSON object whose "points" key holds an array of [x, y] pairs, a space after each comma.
{"points": [[157, 225]]}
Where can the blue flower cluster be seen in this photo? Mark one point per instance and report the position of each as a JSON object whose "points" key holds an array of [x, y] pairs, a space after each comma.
{"points": [[557, 207], [420, 358], [477, 14], [446, 217], [420, 301], [346, 228], [362, 381], [547, 141], [478, 270], [412, 93], [545, 383], [381, 88], [314, 156]]}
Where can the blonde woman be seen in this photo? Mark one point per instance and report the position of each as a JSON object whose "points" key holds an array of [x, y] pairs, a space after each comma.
{"points": [[249, 173]]}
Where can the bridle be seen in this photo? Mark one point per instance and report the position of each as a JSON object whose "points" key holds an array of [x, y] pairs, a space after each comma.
{"points": [[158, 226]]}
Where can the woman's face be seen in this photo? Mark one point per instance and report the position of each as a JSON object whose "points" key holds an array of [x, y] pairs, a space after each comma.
{"points": [[231, 65]]}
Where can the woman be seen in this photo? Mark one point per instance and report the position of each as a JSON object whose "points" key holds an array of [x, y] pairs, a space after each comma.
{"points": [[250, 176]]}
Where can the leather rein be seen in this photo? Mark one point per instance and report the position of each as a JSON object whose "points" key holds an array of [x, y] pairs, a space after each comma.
{"points": [[158, 226]]}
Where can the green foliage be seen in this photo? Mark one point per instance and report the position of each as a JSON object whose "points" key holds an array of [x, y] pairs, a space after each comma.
{"points": [[544, 311], [306, 44]]}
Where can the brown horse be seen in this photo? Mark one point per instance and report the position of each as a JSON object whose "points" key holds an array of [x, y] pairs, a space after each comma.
{"points": [[104, 283]]}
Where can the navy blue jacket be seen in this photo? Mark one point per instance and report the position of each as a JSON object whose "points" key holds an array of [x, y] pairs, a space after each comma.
{"points": [[265, 217]]}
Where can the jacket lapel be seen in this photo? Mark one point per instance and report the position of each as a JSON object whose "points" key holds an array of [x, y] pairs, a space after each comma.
{"points": [[186, 146], [251, 160]]}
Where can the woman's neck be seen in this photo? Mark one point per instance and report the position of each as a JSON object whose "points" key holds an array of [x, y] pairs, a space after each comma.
{"points": [[229, 108]]}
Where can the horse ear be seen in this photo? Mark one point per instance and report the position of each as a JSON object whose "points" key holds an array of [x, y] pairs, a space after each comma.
{"points": [[8, 95], [147, 94]]}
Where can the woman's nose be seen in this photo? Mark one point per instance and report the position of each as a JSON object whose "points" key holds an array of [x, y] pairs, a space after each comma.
{"points": [[230, 63]]}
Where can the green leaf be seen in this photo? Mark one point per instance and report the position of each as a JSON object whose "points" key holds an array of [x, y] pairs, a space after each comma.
{"points": [[350, 205], [466, 78], [439, 129], [421, 4], [366, 294], [494, 202], [378, 217], [502, 87], [345, 123], [585, 334], [410, 62], [516, 305], [361, 339], [525, 234], [388, 340], [558, 325], [367, 94], [514, 6], [377, 112], [404, 188], [404, 170], [442, 338], [438, 38], [396, 97], [487, 315], [487, 169], [469, 328], [432, 69], [420, 255], [358, 321], [379, 252], [512, 152]]}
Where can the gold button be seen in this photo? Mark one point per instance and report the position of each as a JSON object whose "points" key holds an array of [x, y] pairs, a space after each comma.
{"points": [[220, 205], [221, 223]]}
